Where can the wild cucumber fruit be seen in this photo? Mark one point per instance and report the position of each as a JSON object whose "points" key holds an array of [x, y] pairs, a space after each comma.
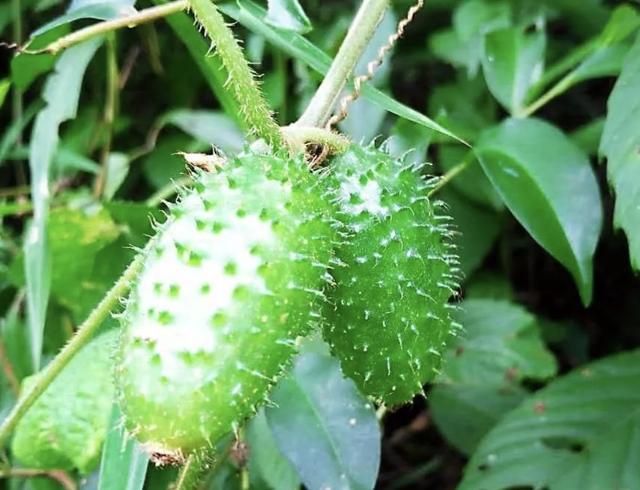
{"points": [[66, 426], [236, 275], [390, 317]]}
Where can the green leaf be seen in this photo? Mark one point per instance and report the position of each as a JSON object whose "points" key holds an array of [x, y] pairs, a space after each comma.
{"points": [[288, 14], [472, 20], [477, 227], [117, 171], [251, 16], [5, 85], [588, 136], [333, 441], [620, 143], [124, 464], [512, 62], [89, 10], [61, 94], [266, 460], [75, 238], [465, 413], [211, 127], [472, 183], [581, 431], [500, 346], [550, 187]]}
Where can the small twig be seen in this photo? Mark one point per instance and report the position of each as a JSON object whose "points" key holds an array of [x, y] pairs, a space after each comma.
{"points": [[58, 475], [143, 16], [110, 109], [447, 177]]}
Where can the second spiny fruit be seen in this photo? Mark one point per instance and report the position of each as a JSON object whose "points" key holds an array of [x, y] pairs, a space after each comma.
{"points": [[233, 278], [389, 320]]}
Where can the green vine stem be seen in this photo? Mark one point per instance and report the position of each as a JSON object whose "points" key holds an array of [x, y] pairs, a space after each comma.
{"points": [[452, 173], [362, 28], [143, 16], [242, 83], [83, 335], [298, 136]]}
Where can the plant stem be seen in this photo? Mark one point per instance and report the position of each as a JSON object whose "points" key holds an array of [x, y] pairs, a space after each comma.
{"points": [[83, 335], [141, 17], [58, 475], [562, 86], [194, 470], [253, 106], [447, 177], [360, 32], [110, 109], [297, 136]]}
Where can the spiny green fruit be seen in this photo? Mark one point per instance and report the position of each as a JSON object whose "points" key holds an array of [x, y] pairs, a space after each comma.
{"points": [[66, 426], [390, 317], [235, 276]]}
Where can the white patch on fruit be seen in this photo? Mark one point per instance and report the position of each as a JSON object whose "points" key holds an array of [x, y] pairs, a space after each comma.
{"points": [[368, 194], [191, 310]]}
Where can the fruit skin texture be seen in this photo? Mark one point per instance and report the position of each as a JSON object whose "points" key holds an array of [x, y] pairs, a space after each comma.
{"points": [[66, 426], [236, 275], [390, 320]]}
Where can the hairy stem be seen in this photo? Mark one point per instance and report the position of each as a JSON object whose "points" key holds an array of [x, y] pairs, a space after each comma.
{"points": [[362, 28], [253, 106], [143, 16], [84, 334], [194, 470]]}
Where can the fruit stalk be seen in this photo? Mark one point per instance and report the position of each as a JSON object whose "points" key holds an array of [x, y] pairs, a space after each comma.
{"points": [[253, 106], [84, 334], [360, 32]]}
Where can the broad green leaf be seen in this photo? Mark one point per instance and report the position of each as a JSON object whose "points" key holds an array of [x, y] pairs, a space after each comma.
{"points": [[500, 345], [211, 67], [620, 143], [265, 459], [61, 94], [463, 106], [582, 431], [332, 441], [465, 413], [288, 14], [124, 464], [251, 15], [550, 187], [117, 171], [623, 22], [478, 228], [211, 127], [512, 61], [472, 20], [588, 136], [75, 238]]}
